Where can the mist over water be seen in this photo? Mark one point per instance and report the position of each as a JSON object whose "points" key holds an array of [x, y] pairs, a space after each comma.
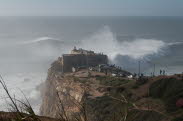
{"points": [[30, 44], [128, 53], [105, 41]]}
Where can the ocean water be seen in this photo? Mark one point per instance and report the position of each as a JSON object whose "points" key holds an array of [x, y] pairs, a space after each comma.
{"points": [[28, 45]]}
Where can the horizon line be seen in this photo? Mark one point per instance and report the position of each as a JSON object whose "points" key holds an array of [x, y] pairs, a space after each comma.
{"points": [[84, 16]]}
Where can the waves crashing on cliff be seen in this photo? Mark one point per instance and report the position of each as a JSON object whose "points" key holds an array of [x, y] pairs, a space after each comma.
{"points": [[105, 41], [37, 55], [127, 53]]}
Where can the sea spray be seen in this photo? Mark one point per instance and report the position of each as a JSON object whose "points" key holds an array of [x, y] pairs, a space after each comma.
{"points": [[105, 41]]}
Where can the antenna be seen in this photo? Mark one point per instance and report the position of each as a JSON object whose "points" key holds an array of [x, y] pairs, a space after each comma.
{"points": [[139, 67], [154, 70]]}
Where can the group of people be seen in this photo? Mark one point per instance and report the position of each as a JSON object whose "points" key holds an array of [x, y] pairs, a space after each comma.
{"points": [[162, 72]]}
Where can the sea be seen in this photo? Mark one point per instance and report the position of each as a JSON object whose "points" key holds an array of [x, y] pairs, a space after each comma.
{"points": [[28, 46]]}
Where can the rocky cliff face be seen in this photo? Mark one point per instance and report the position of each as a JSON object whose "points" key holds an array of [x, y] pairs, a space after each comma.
{"points": [[94, 96], [60, 88], [64, 90]]}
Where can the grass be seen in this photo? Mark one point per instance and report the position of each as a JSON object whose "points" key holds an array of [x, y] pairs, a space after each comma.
{"points": [[105, 108], [178, 118], [23, 109], [112, 81], [169, 90], [76, 79]]}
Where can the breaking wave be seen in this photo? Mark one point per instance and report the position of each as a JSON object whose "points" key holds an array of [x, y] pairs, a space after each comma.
{"points": [[106, 41], [41, 39]]}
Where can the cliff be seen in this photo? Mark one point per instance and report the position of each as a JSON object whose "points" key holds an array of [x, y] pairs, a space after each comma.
{"points": [[93, 96]]}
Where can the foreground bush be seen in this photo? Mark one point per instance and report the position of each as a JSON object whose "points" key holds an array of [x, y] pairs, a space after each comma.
{"points": [[169, 90]]}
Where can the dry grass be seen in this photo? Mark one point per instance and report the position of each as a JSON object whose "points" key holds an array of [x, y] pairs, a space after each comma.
{"points": [[23, 109]]}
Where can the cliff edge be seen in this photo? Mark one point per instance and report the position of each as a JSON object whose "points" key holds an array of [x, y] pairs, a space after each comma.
{"points": [[94, 96]]}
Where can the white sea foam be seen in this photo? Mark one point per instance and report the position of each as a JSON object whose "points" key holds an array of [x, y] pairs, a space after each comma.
{"points": [[39, 40], [174, 43], [105, 41]]}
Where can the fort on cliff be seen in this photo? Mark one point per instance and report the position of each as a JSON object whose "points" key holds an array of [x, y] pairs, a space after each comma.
{"points": [[79, 58]]}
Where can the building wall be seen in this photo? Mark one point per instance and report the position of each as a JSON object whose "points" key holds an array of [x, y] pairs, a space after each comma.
{"points": [[73, 61], [79, 60], [94, 60]]}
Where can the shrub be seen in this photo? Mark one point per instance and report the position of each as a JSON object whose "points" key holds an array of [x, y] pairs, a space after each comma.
{"points": [[169, 90], [142, 81], [112, 81], [178, 118]]}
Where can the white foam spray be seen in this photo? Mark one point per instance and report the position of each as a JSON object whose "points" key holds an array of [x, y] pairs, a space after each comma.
{"points": [[105, 41]]}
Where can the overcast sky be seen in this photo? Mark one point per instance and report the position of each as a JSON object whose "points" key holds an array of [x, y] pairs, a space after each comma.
{"points": [[91, 7]]}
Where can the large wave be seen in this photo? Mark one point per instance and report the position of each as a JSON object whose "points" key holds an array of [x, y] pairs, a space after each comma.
{"points": [[127, 53], [105, 41], [41, 39]]}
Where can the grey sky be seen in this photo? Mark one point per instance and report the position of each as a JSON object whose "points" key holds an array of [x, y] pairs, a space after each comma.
{"points": [[91, 7]]}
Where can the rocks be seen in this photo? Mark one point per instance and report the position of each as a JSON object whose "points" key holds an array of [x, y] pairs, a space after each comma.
{"points": [[100, 96]]}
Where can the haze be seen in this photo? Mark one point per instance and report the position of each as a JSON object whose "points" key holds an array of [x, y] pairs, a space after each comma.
{"points": [[91, 7]]}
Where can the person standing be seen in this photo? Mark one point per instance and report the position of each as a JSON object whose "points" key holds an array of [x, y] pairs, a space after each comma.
{"points": [[163, 72], [160, 71]]}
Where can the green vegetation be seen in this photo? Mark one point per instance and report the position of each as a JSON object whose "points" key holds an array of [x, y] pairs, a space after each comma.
{"points": [[135, 86], [109, 108], [56, 66], [136, 115], [115, 105], [76, 79], [178, 118], [141, 81], [169, 90], [105, 80], [112, 81]]}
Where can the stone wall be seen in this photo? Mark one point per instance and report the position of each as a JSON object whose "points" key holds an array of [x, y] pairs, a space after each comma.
{"points": [[79, 60]]}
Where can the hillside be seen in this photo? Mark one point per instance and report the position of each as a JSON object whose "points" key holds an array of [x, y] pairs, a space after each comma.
{"points": [[95, 96]]}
